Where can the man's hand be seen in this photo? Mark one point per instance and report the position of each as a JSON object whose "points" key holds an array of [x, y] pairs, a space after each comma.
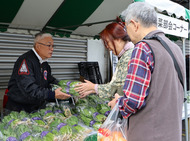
{"points": [[60, 95], [113, 102]]}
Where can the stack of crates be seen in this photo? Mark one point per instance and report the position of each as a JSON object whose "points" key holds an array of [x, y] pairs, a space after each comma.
{"points": [[90, 71]]}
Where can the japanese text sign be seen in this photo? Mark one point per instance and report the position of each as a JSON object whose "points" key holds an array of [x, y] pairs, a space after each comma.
{"points": [[172, 26]]}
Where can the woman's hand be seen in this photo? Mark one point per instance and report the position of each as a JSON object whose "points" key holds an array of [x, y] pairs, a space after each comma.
{"points": [[85, 89], [113, 102], [82, 95]]}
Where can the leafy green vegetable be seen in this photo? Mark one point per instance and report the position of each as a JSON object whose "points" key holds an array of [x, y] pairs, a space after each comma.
{"points": [[40, 122], [11, 139], [49, 137], [69, 90], [14, 115], [9, 132], [94, 99], [68, 83], [66, 110], [65, 130], [21, 128], [87, 111], [78, 128], [6, 119], [32, 115], [36, 129], [55, 132], [81, 102], [100, 118], [96, 125], [54, 123], [85, 119], [14, 123], [72, 120], [23, 115], [54, 87], [24, 135], [103, 108]]}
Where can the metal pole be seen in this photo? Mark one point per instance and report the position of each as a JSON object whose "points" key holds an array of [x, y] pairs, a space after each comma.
{"points": [[185, 96]]}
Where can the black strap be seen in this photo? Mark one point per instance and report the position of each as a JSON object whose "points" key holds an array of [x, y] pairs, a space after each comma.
{"points": [[171, 54]]}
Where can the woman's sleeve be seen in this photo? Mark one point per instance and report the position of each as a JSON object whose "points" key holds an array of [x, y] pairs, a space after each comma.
{"points": [[118, 78]]}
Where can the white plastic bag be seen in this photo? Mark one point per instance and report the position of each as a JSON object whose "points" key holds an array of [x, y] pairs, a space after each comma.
{"points": [[114, 128]]}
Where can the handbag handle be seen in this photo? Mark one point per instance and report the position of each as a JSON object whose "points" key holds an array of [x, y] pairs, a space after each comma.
{"points": [[171, 54]]}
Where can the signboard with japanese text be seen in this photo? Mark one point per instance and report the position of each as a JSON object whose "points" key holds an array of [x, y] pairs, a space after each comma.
{"points": [[172, 26]]}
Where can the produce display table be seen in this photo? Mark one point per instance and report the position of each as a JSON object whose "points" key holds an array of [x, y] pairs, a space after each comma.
{"points": [[58, 121]]}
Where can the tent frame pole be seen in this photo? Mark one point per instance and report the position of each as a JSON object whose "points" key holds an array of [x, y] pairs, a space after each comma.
{"points": [[185, 95]]}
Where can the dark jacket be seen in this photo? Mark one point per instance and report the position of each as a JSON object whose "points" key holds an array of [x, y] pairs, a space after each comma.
{"points": [[29, 85]]}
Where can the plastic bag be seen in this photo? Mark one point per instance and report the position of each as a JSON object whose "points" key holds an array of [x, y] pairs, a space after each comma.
{"points": [[69, 90], [68, 83], [114, 128]]}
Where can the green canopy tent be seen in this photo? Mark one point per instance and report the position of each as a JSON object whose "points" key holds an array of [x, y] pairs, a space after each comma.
{"points": [[175, 10]]}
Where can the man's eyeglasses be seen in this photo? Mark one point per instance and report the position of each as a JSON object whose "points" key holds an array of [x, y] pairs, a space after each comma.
{"points": [[53, 46]]}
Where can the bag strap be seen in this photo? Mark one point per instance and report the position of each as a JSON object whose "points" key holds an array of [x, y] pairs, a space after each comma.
{"points": [[171, 54]]}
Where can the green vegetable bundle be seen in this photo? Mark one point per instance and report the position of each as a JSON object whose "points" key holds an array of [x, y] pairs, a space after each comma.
{"points": [[99, 117], [69, 90], [96, 99], [66, 129], [47, 136], [96, 125], [82, 102], [84, 111], [103, 109], [54, 123], [40, 122], [78, 128], [68, 83], [90, 122], [73, 120]]}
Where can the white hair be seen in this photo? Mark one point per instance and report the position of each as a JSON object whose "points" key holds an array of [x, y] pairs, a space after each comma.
{"points": [[141, 12], [40, 36]]}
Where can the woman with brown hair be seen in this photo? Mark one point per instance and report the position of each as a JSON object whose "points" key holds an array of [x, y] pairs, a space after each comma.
{"points": [[116, 39]]}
